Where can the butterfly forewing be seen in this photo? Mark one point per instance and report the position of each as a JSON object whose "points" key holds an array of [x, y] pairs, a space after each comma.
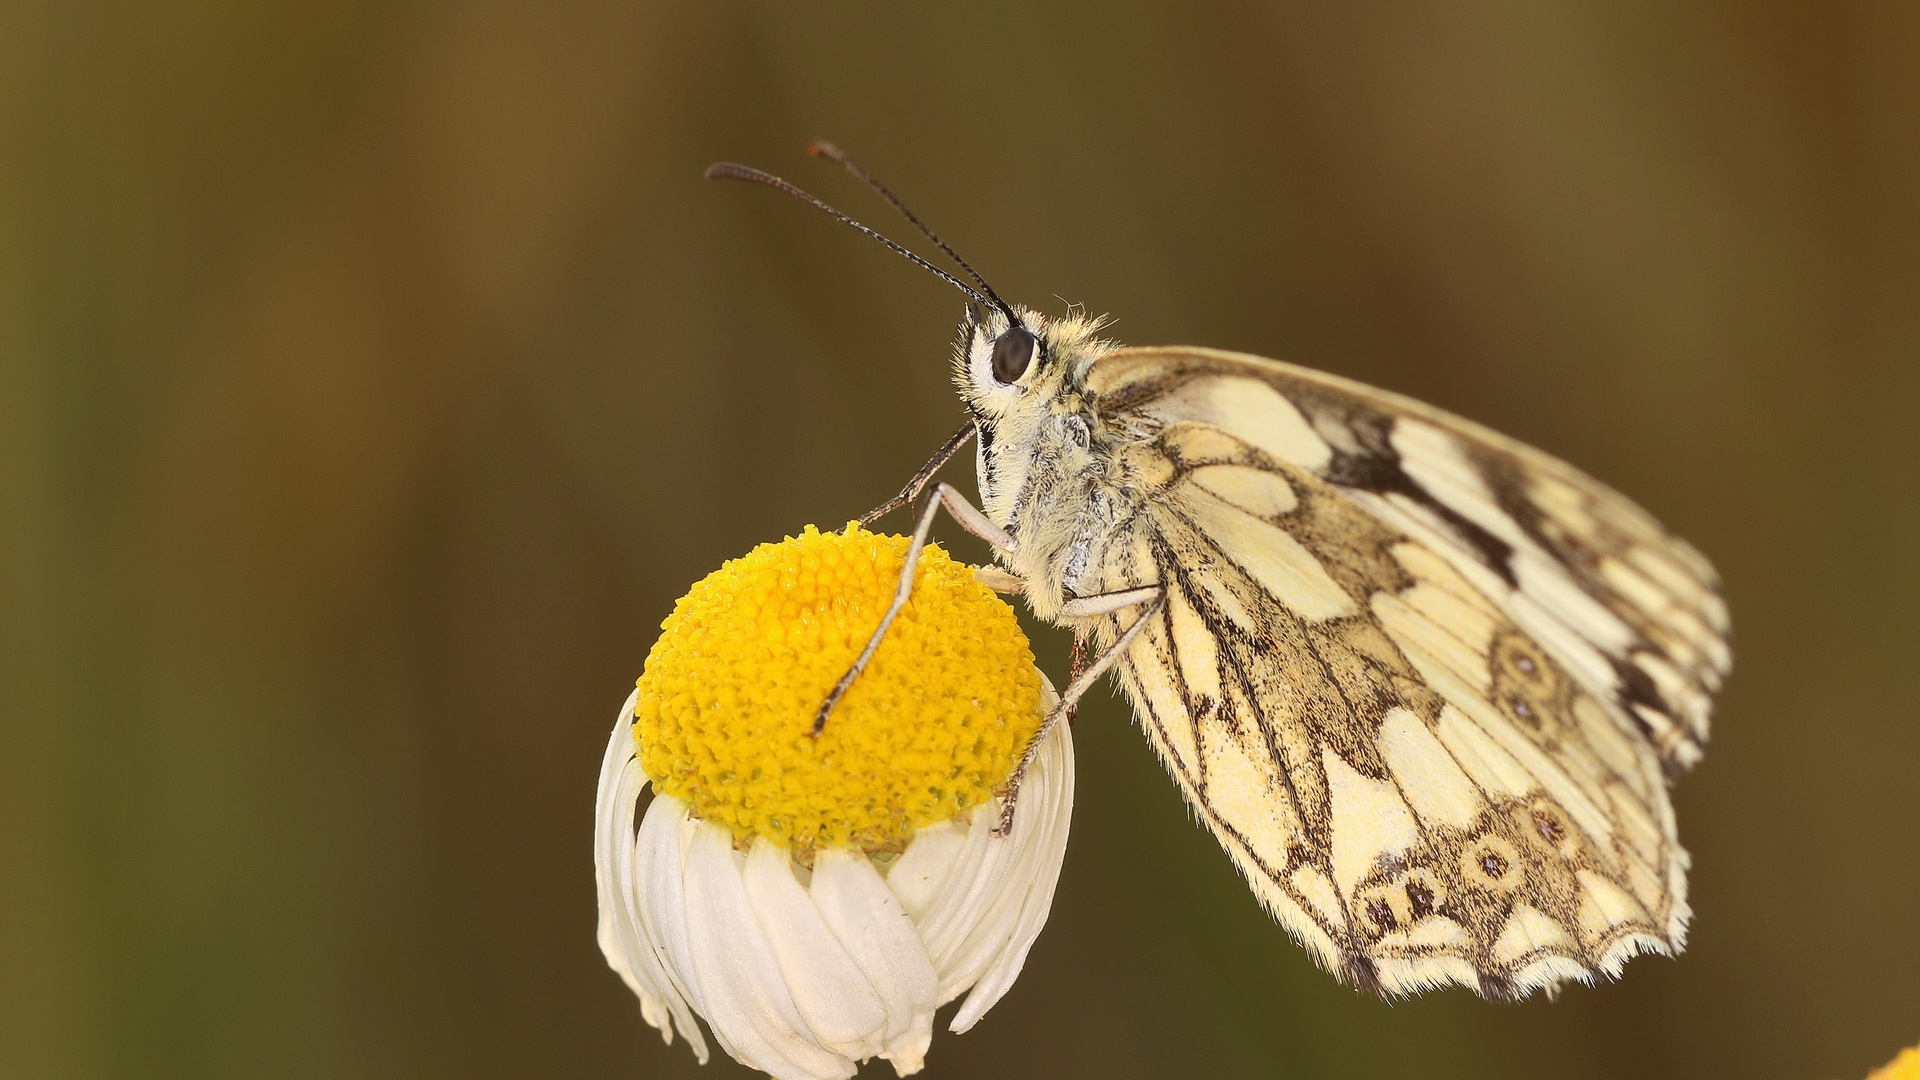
{"points": [[1421, 680], [1639, 611]]}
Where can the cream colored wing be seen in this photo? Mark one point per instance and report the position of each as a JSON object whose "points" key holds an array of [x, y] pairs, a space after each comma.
{"points": [[1634, 611], [1395, 672]]}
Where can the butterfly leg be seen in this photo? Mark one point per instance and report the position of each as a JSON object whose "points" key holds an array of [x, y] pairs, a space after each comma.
{"points": [[1155, 598], [973, 521], [1000, 581], [1076, 662], [914, 486]]}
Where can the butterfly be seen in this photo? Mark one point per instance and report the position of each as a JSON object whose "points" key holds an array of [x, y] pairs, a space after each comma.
{"points": [[1427, 685]]}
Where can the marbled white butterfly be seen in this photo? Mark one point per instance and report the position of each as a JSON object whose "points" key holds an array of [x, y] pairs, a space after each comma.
{"points": [[1425, 683]]}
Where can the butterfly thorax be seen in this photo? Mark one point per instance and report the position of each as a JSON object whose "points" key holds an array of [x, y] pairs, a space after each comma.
{"points": [[1047, 454]]}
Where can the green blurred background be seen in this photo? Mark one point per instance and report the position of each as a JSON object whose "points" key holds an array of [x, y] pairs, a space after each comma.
{"points": [[374, 376]]}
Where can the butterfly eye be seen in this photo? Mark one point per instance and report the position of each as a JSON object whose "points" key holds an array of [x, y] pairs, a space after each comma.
{"points": [[1012, 352]]}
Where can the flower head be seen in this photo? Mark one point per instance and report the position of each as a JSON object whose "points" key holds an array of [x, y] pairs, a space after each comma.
{"points": [[815, 898]]}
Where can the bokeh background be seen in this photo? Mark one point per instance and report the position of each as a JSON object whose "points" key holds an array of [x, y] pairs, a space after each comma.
{"points": [[373, 376]]}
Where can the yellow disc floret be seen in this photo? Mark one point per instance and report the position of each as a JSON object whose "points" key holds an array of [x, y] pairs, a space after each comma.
{"points": [[931, 728]]}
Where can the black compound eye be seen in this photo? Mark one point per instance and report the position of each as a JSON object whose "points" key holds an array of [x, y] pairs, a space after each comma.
{"points": [[1012, 352]]}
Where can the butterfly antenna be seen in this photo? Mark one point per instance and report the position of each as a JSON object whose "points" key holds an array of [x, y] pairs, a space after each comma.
{"points": [[821, 148], [727, 170]]}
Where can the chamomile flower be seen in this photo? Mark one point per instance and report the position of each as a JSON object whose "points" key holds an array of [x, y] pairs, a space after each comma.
{"points": [[816, 898]]}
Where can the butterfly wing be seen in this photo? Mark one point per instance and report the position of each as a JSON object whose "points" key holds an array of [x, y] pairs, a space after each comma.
{"points": [[1425, 683]]}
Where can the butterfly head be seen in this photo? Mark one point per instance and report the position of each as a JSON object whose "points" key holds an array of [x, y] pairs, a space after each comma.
{"points": [[1023, 377], [1007, 359]]}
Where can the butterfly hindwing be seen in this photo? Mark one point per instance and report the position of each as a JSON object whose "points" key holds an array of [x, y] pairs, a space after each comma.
{"points": [[1395, 671]]}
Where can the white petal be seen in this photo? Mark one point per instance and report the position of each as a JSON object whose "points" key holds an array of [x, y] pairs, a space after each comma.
{"points": [[871, 922], [659, 858], [908, 1050], [743, 993], [918, 875], [834, 997], [622, 938], [1047, 847], [607, 812], [999, 916], [989, 917], [979, 873], [973, 918]]}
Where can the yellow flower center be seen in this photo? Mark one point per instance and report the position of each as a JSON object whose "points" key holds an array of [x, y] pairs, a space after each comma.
{"points": [[931, 728]]}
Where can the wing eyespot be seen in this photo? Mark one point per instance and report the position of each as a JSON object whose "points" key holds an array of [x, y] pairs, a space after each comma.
{"points": [[1425, 893], [1380, 910], [1492, 863]]}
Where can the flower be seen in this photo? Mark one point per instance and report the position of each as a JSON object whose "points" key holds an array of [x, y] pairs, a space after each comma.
{"points": [[816, 898]]}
